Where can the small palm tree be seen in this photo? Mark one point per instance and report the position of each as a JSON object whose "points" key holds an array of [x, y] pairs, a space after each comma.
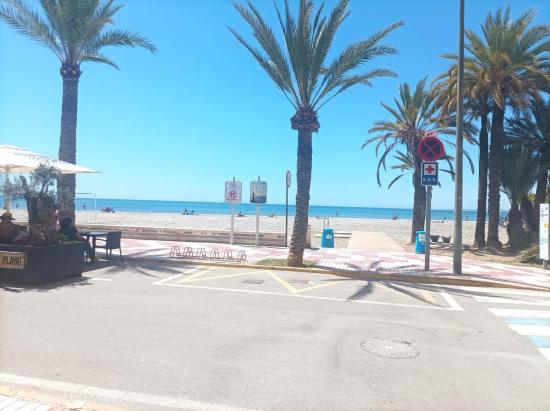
{"points": [[518, 178], [300, 70], [76, 32], [531, 128], [514, 56], [416, 113], [478, 106]]}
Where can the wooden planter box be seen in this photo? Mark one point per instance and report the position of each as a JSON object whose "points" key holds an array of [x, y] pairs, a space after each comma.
{"points": [[27, 265]]}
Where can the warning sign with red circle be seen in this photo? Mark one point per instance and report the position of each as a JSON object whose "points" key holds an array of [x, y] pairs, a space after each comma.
{"points": [[430, 149]]}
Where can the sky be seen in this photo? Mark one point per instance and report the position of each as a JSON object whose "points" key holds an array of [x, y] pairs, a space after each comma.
{"points": [[175, 125]]}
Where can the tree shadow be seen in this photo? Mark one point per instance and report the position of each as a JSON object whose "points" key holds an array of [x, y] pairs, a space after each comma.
{"points": [[57, 285], [362, 291]]}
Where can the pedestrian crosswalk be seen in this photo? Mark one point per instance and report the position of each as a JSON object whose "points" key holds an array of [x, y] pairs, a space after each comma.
{"points": [[525, 312], [8, 403]]}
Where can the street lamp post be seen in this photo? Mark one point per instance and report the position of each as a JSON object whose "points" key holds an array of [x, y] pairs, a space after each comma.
{"points": [[457, 251]]}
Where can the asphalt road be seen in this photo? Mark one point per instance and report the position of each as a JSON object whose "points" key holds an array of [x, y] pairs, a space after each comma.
{"points": [[148, 337]]}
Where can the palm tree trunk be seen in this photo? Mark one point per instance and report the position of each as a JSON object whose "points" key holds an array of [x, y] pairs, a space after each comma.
{"points": [[66, 184], [479, 238], [540, 193], [495, 175], [419, 205], [517, 237], [528, 216], [303, 183]]}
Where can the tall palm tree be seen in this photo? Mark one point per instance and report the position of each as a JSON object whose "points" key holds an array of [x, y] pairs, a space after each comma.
{"points": [[300, 69], [517, 180], [531, 128], [76, 32], [416, 113], [515, 59], [478, 106]]}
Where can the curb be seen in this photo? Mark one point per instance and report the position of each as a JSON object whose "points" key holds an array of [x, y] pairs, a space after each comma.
{"points": [[465, 280]]}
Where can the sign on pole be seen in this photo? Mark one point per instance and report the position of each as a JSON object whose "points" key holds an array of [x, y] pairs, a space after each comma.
{"points": [[233, 195], [430, 173], [258, 192], [544, 232], [258, 195], [233, 192], [430, 149]]}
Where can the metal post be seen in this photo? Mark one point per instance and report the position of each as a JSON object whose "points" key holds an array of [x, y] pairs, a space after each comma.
{"points": [[457, 251], [257, 225], [232, 224], [286, 217], [428, 228]]}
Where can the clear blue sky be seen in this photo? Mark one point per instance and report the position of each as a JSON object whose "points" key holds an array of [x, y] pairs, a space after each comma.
{"points": [[176, 125]]}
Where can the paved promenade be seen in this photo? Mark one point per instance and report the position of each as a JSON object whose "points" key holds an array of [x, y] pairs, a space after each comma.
{"points": [[355, 260]]}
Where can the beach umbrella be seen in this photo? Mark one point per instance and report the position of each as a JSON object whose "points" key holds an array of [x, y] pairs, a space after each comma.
{"points": [[17, 160]]}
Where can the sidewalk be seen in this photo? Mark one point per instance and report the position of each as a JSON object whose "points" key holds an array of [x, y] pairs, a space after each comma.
{"points": [[403, 264], [28, 399]]}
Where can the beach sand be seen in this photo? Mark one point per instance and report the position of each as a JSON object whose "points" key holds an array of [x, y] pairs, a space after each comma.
{"points": [[398, 230]]}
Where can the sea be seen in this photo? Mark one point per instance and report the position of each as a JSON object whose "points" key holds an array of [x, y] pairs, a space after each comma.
{"points": [[157, 206]]}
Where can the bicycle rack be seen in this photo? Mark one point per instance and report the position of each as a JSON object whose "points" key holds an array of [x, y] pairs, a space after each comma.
{"points": [[202, 254]]}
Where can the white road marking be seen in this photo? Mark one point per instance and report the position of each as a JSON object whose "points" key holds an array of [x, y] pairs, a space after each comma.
{"points": [[508, 312], [502, 300], [454, 306], [545, 352], [451, 301], [525, 329], [113, 394], [100, 279], [161, 282], [508, 291]]}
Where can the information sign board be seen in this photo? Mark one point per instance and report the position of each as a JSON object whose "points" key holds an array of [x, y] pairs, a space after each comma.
{"points": [[258, 192], [430, 173], [233, 192], [544, 232]]}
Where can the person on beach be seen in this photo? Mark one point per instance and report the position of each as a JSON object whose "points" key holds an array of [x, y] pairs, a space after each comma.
{"points": [[240, 214], [68, 229]]}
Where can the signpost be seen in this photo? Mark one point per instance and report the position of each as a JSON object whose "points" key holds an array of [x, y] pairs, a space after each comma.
{"points": [[258, 195], [430, 149], [233, 195], [544, 233], [288, 181]]}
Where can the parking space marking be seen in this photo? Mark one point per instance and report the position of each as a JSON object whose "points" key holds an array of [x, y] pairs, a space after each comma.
{"points": [[428, 297], [295, 290], [198, 276], [453, 307], [200, 272]]}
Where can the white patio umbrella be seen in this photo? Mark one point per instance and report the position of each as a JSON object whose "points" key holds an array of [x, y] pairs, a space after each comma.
{"points": [[17, 160]]}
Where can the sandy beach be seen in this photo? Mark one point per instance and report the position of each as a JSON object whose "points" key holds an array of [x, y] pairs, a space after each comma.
{"points": [[398, 230]]}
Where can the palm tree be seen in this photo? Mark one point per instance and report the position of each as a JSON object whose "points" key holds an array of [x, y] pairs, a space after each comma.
{"points": [[300, 69], [405, 164], [416, 113], [518, 177], [76, 32], [515, 59], [477, 105], [531, 128]]}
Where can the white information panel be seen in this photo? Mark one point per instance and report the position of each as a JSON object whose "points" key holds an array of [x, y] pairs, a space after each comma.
{"points": [[544, 232], [233, 192], [258, 192]]}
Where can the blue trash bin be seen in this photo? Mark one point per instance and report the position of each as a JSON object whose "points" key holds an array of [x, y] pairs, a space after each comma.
{"points": [[420, 242], [327, 239]]}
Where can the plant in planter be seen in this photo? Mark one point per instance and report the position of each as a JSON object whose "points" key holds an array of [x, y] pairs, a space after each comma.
{"points": [[44, 257], [40, 195]]}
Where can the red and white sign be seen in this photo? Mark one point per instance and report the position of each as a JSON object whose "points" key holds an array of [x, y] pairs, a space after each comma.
{"points": [[430, 169], [233, 192], [430, 149], [431, 133]]}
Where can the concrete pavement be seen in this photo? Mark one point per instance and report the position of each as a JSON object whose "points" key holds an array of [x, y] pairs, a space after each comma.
{"points": [[158, 336], [377, 265]]}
